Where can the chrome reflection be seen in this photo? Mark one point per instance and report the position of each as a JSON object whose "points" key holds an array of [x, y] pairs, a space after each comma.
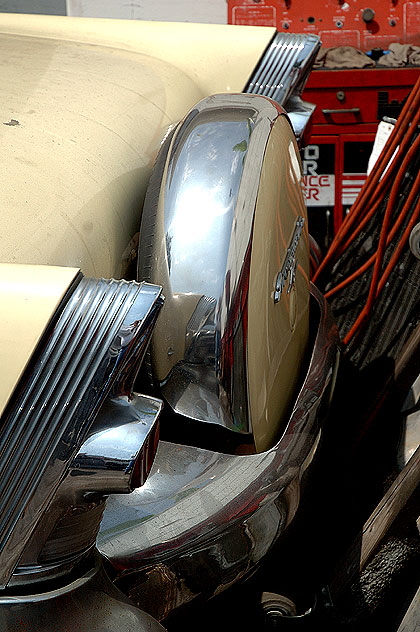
{"points": [[116, 458], [96, 344], [89, 602], [206, 202], [220, 512], [283, 72]]}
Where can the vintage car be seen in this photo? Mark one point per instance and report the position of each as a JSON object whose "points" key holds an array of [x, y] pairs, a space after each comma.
{"points": [[215, 269]]}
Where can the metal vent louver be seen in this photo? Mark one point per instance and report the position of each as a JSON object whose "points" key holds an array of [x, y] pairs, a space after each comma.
{"points": [[282, 74]]}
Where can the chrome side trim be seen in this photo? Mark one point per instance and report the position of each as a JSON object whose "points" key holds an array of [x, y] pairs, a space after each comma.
{"points": [[282, 74], [103, 326], [205, 510], [116, 458]]}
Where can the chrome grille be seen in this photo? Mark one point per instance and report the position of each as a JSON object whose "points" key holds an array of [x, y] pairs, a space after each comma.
{"points": [[280, 70], [83, 355], [283, 72]]}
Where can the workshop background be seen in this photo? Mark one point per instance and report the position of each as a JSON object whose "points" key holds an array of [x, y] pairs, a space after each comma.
{"points": [[170, 10]]}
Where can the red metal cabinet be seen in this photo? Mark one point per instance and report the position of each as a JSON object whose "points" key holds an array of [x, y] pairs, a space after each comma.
{"points": [[358, 97], [350, 104]]}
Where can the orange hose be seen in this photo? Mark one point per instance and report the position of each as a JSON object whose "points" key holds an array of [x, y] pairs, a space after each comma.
{"points": [[378, 195], [415, 191], [405, 236], [409, 114], [380, 252], [367, 263], [398, 135], [409, 156]]}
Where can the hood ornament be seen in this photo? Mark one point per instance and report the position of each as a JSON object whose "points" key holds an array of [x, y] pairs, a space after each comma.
{"points": [[287, 273]]}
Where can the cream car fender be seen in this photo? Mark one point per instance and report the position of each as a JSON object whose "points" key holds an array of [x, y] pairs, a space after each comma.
{"points": [[90, 105], [30, 296]]}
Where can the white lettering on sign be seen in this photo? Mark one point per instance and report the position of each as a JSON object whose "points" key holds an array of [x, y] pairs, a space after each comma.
{"points": [[310, 160], [319, 190], [311, 152]]}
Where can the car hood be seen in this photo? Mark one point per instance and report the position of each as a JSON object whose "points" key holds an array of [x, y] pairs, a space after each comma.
{"points": [[84, 105]]}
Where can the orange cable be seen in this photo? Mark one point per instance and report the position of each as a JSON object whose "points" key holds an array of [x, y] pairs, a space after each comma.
{"points": [[380, 251], [384, 183], [409, 155], [364, 313], [405, 236], [397, 136], [366, 265]]}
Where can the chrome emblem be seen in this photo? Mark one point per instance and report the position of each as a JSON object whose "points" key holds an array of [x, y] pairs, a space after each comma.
{"points": [[287, 274]]}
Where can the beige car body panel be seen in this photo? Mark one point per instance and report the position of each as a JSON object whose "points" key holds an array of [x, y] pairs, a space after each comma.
{"points": [[84, 106], [217, 57], [273, 372], [30, 295]]}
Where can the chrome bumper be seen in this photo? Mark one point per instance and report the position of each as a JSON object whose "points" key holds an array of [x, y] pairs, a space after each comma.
{"points": [[203, 520]]}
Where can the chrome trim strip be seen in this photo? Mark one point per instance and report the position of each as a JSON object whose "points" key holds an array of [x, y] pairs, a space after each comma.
{"points": [[116, 458], [283, 63], [103, 324], [202, 509]]}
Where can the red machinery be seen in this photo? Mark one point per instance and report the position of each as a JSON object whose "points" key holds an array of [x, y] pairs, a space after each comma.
{"points": [[337, 22], [350, 102], [350, 105]]}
